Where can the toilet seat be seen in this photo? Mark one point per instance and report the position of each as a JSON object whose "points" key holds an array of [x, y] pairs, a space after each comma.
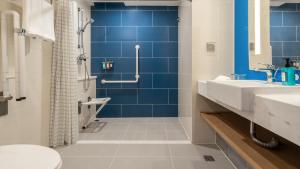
{"points": [[29, 157]]}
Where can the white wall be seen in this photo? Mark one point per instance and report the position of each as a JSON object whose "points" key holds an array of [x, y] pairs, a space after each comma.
{"points": [[87, 34], [212, 21], [185, 65], [27, 121]]}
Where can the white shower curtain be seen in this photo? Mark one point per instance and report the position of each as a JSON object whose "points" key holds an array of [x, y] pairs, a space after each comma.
{"points": [[64, 115]]}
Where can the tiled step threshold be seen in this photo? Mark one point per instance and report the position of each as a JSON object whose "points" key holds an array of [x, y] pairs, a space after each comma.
{"points": [[234, 138]]}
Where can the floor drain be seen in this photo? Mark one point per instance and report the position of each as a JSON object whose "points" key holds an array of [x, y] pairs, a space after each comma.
{"points": [[209, 158]]}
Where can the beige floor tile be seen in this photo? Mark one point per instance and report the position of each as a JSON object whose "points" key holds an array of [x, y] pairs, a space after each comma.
{"points": [[88, 150], [141, 163], [156, 135], [176, 135], [135, 135], [143, 150], [86, 163]]}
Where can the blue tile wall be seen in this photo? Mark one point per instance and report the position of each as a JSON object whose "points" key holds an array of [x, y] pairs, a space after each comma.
{"points": [[285, 29], [115, 32]]}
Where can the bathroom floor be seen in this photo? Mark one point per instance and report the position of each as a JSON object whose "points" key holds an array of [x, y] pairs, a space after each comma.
{"points": [[136, 129], [141, 143]]}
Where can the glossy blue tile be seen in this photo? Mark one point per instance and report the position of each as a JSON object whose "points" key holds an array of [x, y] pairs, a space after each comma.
{"points": [[106, 18], [124, 65], [137, 18], [165, 81], [108, 76], [98, 34], [283, 33], [96, 65], [165, 49], [153, 96], [137, 111], [285, 7], [128, 49], [145, 81], [121, 34], [298, 34], [106, 49], [173, 34], [111, 111], [173, 96], [276, 18], [118, 28], [153, 33], [276, 48], [165, 18], [122, 96], [154, 65], [100, 93], [99, 6], [291, 49], [291, 19], [173, 65], [165, 111]]}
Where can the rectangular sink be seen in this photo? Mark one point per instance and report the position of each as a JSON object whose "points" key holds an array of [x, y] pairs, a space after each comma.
{"points": [[279, 113], [239, 94]]}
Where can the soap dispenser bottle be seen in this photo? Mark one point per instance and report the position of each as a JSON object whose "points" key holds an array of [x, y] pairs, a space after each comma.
{"points": [[288, 74]]}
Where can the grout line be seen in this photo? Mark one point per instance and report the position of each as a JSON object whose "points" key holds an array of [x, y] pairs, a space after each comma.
{"points": [[171, 157], [226, 156], [114, 157]]}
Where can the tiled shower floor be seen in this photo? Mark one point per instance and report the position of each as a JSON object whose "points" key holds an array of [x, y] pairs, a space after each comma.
{"points": [[141, 143], [137, 129]]}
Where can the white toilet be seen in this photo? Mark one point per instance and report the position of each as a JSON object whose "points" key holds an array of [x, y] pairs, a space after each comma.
{"points": [[29, 157]]}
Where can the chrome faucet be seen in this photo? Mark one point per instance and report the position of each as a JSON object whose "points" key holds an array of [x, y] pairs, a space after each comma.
{"points": [[268, 70]]}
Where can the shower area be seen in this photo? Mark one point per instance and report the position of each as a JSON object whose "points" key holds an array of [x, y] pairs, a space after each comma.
{"points": [[132, 88]]}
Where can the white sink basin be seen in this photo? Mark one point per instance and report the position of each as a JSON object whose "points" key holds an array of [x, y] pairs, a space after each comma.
{"points": [[239, 94], [279, 113]]}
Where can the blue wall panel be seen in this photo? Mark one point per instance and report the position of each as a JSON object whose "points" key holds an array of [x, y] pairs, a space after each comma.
{"points": [[115, 32]]}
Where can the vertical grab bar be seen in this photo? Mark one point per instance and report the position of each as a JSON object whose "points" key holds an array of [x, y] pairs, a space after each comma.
{"points": [[137, 76]]}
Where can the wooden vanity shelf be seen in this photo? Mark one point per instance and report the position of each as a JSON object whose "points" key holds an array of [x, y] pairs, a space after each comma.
{"points": [[234, 130]]}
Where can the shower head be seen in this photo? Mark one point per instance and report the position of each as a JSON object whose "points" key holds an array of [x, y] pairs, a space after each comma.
{"points": [[89, 22]]}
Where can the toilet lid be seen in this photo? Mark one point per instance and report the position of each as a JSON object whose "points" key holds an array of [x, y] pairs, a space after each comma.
{"points": [[29, 157]]}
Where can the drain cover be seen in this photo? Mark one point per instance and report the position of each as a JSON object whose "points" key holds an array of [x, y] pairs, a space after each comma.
{"points": [[209, 158]]}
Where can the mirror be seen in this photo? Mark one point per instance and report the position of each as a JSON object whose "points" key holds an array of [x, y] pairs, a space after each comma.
{"points": [[274, 33], [259, 34]]}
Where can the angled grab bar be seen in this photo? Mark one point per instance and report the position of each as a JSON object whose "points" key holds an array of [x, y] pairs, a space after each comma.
{"points": [[137, 76]]}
